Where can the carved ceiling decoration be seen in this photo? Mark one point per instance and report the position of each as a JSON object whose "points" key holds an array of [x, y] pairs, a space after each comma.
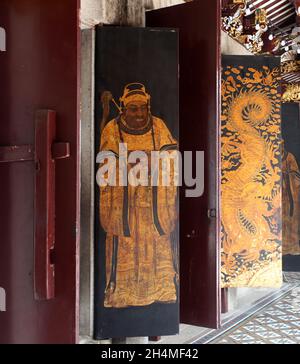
{"points": [[290, 66], [264, 26], [267, 27], [278, 11], [290, 71], [292, 93]]}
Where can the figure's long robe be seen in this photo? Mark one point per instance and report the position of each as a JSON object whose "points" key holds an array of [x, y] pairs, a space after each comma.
{"points": [[291, 206], [139, 224]]}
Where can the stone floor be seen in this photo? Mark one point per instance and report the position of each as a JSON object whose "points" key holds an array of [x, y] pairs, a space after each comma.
{"points": [[199, 335], [272, 319], [278, 323]]}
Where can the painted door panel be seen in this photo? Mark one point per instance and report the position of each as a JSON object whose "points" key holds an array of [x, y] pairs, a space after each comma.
{"points": [[138, 294], [199, 29]]}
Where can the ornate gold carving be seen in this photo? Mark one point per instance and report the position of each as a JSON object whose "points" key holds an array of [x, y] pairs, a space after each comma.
{"points": [[261, 17], [233, 25], [290, 66], [254, 42], [292, 93]]}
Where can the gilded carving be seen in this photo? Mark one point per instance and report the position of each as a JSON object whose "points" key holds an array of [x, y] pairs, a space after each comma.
{"points": [[292, 93], [233, 25], [290, 67]]}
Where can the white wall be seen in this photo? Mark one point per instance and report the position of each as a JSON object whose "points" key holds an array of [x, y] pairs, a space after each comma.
{"points": [[229, 46], [94, 12], [124, 12]]}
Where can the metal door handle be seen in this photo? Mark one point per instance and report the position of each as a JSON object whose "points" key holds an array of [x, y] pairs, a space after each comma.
{"points": [[44, 153]]}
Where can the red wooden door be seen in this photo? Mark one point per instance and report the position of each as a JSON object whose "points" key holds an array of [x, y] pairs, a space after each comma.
{"points": [[200, 58], [38, 70]]}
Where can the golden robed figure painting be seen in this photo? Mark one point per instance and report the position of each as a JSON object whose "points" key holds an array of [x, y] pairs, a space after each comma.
{"points": [[139, 221], [290, 204]]}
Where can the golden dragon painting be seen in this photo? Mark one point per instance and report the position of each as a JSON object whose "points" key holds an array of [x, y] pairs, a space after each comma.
{"points": [[251, 178]]}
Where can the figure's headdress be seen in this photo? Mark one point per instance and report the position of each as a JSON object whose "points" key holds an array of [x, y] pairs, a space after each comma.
{"points": [[134, 92]]}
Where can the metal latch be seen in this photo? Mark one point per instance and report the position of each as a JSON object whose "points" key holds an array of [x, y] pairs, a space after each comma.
{"points": [[44, 154], [212, 213]]}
